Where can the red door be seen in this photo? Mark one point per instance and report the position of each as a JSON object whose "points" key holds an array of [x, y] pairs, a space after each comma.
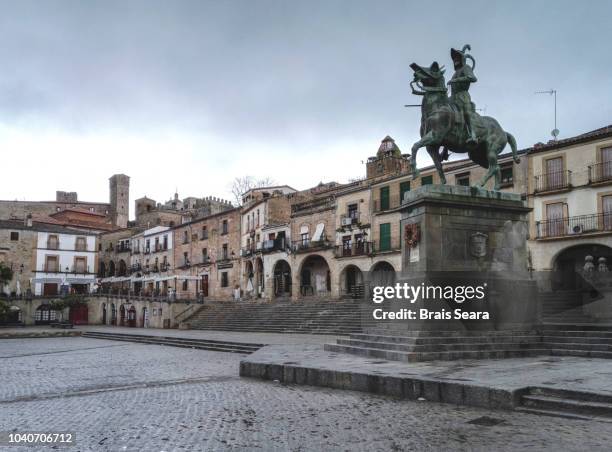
{"points": [[78, 314]]}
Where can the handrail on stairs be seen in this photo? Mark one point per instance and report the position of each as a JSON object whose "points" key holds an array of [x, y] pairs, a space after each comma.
{"points": [[191, 307]]}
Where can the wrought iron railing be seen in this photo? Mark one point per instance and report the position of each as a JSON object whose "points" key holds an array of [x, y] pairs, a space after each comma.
{"points": [[558, 180], [308, 245], [354, 249], [600, 172], [349, 219], [578, 225], [381, 246], [390, 203]]}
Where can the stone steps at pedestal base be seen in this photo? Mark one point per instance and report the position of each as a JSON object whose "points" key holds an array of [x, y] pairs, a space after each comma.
{"points": [[201, 344], [435, 356], [440, 347], [566, 403], [447, 339], [551, 413]]}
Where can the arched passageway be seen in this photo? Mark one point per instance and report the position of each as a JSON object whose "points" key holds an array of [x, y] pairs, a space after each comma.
{"points": [[282, 279], [352, 282], [315, 277], [568, 265], [382, 274]]}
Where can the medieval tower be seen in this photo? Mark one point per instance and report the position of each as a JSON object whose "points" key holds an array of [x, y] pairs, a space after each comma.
{"points": [[120, 200]]}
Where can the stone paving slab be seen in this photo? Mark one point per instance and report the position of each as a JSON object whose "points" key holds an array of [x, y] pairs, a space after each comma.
{"points": [[483, 383], [121, 396]]}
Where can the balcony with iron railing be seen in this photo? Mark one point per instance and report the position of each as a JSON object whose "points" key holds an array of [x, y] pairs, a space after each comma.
{"points": [[270, 246], [349, 219], [305, 245], [247, 251], [354, 249], [574, 226], [392, 244], [204, 260], [600, 173], [554, 181], [223, 256], [384, 204], [75, 270], [52, 245]]}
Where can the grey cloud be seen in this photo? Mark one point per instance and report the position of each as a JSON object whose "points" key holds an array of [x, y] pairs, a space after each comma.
{"points": [[285, 71]]}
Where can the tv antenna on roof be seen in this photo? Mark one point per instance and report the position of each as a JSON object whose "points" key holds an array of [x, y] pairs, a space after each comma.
{"points": [[552, 92]]}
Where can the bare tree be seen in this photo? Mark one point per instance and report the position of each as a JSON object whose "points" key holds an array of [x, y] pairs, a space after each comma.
{"points": [[241, 185]]}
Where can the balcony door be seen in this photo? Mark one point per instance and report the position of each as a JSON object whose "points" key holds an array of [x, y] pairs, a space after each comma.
{"points": [[606, 163], [554, 173], [554, 219], [606, 205]]}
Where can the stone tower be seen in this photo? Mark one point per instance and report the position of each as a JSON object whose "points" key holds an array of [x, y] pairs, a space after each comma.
{"points": [[389, 160], [120, 200]]}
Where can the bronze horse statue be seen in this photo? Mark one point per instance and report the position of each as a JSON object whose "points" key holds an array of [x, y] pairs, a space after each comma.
{"points": [[443, 125]]}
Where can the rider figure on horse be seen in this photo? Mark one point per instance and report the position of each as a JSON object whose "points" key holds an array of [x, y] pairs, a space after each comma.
{"points": [[460, 85]]}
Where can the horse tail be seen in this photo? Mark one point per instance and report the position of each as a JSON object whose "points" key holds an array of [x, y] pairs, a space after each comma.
{"points": [[512, 143]]}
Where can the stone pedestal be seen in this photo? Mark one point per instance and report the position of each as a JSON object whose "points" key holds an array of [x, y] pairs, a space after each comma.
{"points": [[458, 237]]}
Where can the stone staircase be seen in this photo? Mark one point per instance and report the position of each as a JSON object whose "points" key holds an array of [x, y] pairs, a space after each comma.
{"points": [[201, 344], [441, 345], [563, 307], [591, 341], [565, 403], [316, 317]]}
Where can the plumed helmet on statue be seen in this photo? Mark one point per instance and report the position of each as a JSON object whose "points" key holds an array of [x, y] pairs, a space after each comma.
{"points": [[461, 55]]}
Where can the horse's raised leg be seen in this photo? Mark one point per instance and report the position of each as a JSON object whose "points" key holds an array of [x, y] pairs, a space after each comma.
{"points": [[493, 170], [434, 152], [427, 140]]}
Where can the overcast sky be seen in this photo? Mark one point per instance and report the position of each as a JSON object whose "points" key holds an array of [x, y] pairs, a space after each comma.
{"points": [[188, 95]]}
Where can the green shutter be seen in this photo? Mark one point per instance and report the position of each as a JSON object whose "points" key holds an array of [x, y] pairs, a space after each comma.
{"points": [[427, 180], [385, 237], [404, 187], [384, 198]]}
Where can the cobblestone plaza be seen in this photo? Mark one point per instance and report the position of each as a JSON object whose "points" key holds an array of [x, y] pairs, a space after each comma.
{"points": [[123, 396]]}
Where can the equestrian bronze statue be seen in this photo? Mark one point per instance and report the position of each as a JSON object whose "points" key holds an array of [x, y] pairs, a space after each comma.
{"points": [[452, 123]]}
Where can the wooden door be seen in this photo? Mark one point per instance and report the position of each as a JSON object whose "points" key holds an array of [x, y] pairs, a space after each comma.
{"points": [[606, 202], [204, 285], [554, 173], [606, 163], [554, 220]]}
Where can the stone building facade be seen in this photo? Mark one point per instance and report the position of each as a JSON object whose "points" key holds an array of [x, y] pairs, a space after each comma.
{"points": [[207, 256], [116, 210], [150, 213], [569, 188], [18, 240], [264, 231]]}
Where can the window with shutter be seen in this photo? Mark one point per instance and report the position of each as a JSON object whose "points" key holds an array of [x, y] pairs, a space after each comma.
{"points": [[385, 237], [404, 188], [384, 198]]}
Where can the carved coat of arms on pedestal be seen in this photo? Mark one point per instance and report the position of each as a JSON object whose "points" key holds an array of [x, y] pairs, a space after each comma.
{"points": [[478, 244]]}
